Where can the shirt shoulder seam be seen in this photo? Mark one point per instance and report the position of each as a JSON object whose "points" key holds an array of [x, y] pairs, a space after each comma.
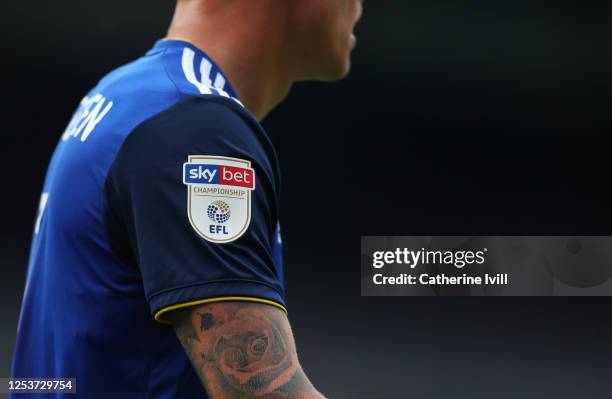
{"points": [[179, 94]]}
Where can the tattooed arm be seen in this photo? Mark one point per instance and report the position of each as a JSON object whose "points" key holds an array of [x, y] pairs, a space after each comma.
{"points": [[242, 350]]}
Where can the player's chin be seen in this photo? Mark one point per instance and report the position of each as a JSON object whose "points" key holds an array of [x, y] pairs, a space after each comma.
{"points": [[337, 68], [338, 72], [329, 63]]}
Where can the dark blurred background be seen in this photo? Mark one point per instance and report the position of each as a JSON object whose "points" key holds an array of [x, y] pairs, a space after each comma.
{"points": [[466, 118]]}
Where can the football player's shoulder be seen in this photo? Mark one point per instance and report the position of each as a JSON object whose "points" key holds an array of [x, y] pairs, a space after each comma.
{"points": [[200, 121], [141, 88], [193, 73], [164, 99]]}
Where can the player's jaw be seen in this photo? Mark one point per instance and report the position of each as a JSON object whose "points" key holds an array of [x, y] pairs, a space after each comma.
{"points": [[329, 38], [346, 36]]}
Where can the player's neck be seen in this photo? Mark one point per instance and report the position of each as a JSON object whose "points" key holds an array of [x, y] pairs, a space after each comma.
{"points": [[248, 51]]}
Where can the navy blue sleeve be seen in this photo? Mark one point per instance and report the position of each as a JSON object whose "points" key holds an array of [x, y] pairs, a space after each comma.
{"points": [[191, 200]]}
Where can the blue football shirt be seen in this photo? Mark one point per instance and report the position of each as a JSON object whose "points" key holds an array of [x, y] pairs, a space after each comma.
{"points": [[162, 193]]}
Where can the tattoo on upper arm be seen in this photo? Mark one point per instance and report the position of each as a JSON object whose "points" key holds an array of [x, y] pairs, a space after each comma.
{"points": [[242, 350]]}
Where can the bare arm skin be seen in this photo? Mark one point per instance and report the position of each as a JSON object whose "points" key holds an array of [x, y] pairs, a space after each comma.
{"points": [[242, 350]]}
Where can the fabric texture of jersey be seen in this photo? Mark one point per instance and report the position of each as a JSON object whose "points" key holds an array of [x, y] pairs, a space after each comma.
{"points": [[113, 248]]}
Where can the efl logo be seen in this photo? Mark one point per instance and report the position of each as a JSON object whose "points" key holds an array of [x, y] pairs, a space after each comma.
{"points": [[219, 196], [219, 212], [194, 173]]}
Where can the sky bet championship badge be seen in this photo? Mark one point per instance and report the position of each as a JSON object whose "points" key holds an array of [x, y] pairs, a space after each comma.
{"points": [[219, 197]]}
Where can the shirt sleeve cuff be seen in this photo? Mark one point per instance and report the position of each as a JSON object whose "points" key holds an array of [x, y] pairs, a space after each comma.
{"points": [[217, 291]]}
